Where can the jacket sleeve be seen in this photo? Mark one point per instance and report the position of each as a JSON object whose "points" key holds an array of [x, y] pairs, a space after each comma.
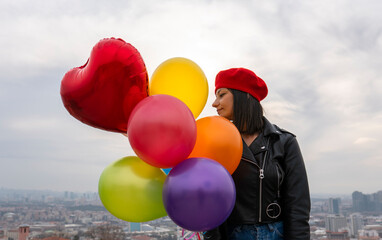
{"points": [[295, 193]]}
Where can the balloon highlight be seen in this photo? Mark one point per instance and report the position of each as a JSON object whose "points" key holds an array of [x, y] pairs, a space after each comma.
{"points": [[103, 92], [162, 131], [131, 190], [199, 194], [218, 139], [183, 79]]}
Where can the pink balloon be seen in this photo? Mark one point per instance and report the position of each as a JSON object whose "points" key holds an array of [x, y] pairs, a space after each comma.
{"points": [[162, 130]]}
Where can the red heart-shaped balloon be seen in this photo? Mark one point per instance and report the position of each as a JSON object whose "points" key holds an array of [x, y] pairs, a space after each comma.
{"points": [[104, 91]]}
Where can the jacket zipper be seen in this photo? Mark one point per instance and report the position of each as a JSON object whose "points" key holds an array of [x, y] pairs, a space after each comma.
{"points": [[278, 182], [261, 176]]}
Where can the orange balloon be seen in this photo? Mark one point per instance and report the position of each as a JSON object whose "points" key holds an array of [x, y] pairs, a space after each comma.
{"points": [[218, 139]]}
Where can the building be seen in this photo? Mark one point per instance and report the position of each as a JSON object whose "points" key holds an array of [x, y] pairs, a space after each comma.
{"points": [[377, 228], [356, 224], [368, 235], [135, 227], [12, 234], [334, 205], [359, 201], [338, 235], [376, 199], [22, 233], [335, 222], [367, 202]]}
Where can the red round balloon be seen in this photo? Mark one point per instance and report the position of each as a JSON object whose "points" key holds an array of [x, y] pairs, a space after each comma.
{"points": [[162, 131], [104, 91]]}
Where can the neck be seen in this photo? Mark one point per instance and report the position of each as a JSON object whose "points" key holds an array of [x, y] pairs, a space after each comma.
{"points": [[248, 139]]}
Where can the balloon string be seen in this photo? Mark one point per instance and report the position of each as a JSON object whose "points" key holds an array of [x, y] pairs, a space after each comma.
{"points": [[192, 235]]}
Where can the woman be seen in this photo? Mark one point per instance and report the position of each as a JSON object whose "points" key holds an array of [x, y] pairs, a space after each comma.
{"points": [[272, 193]]}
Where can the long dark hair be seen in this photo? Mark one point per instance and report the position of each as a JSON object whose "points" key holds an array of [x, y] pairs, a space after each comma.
{"points": [[247, 112]]}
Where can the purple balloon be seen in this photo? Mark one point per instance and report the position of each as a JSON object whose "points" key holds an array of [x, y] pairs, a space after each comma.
{"points": [[199, 194]]}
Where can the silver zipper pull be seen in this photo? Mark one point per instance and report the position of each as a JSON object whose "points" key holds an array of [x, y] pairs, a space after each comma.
{"points": [[261, 174]]}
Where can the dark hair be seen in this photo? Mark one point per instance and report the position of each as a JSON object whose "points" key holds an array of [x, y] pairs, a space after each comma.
{"points": [[247, 112]]}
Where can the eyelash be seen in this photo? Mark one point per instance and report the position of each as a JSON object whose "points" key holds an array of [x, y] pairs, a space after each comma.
{"points": [[221, 95]]}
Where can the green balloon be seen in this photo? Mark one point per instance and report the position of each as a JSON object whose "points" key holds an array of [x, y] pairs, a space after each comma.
{"points": [[131, 190]]}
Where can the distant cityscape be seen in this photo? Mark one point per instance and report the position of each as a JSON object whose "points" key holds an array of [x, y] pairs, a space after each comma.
{"points": [[357, 217], [50, 215]]}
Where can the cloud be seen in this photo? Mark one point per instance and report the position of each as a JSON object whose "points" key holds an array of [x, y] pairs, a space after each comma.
{"points": [[364, 140], [35, 124], [320, 59]]}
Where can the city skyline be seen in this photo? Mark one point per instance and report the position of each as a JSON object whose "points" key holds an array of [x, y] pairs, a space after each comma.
{"points": [[91, 194], [83, 217], [320, 59]]}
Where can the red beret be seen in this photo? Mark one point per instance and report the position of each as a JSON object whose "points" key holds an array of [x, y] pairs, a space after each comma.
{"points": [[242, 79]]}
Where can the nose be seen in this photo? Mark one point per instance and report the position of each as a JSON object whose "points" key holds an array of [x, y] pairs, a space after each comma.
{"points": [[215, 103]]}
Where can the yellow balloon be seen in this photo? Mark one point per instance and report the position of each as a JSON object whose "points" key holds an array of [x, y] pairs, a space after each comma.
{"points": [[183, 79], [131, 190]]}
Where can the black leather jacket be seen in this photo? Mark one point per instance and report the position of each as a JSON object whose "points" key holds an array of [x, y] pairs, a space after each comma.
{"points": [[271, 185]]}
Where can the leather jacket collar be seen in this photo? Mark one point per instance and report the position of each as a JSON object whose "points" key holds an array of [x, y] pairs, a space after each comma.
{"points": [[269, 128], [259, 144]]}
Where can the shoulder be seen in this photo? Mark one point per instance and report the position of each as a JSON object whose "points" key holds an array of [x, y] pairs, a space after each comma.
{"points": [[272, 129], [284, 133], [284, 140], [279, 137]]}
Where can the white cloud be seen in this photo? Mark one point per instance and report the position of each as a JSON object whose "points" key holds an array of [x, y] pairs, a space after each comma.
{"points": [[33, 123], [320, 59], [364, 140]]}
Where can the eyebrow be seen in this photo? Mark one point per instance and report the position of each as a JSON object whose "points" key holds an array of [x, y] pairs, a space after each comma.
{"points": [[218, 91]]}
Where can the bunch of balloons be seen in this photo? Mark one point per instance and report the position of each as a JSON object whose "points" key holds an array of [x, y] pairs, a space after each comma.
{"points": [[112, 92]]}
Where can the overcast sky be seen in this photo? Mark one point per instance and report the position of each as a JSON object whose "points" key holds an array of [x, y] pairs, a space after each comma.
{"points": [[321, 60]]}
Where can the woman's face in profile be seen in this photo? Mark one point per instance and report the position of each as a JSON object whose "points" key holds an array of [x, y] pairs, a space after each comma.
{"points": [[224, 103]]}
